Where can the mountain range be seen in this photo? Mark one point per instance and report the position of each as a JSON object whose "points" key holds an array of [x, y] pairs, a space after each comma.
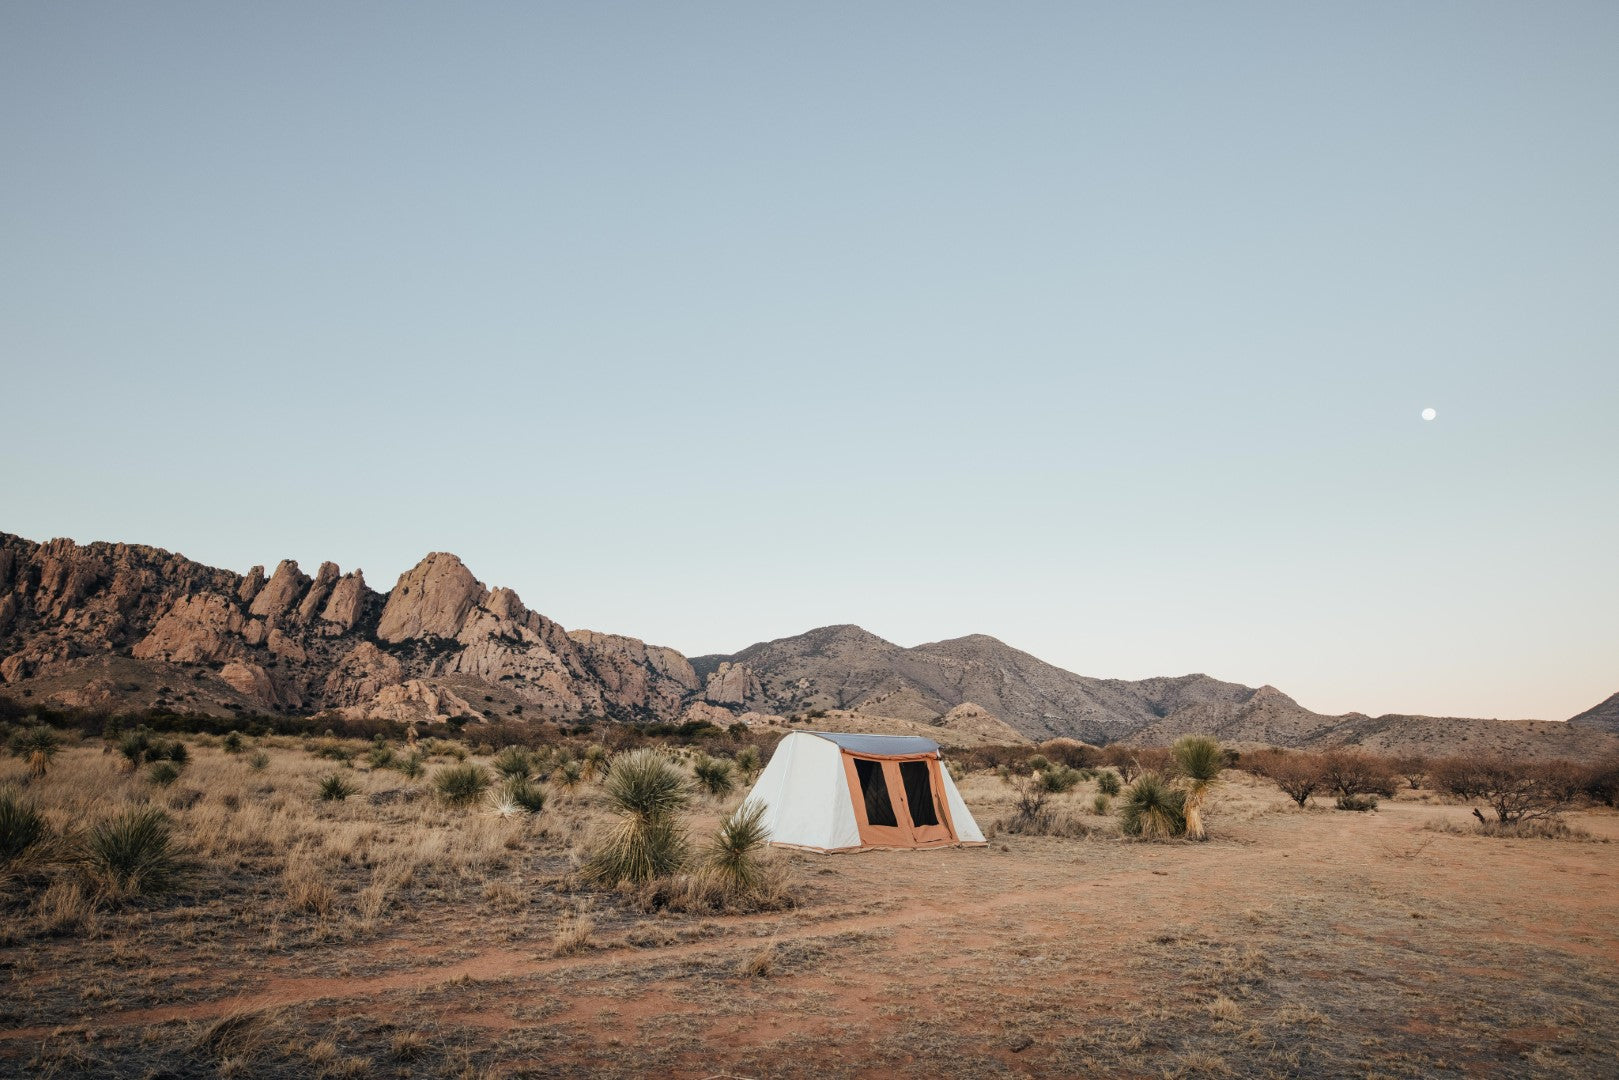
{"points": [[119, 626]]}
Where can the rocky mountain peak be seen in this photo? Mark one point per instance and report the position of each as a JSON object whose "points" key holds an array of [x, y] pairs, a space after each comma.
{"points": [[432, 598]]}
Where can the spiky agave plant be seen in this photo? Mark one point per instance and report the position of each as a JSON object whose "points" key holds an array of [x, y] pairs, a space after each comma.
{"points": [[461, 785], [646, 789], [1153, 809], [1198, 760], [735, 853]]}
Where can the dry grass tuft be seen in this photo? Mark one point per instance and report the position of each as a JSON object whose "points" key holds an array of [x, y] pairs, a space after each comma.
{"points": [[572, 934], [761, 963]]}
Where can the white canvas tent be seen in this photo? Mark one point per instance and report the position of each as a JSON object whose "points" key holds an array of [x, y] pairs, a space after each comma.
{"points": [[827, 791]]}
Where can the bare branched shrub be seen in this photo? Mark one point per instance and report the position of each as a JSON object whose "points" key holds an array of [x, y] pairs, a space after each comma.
{"points": [[1297, 773], [1346, 772], [1514, 789]]}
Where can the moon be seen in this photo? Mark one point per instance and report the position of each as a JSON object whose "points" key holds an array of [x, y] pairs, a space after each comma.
{"points": [[1429, 414]]}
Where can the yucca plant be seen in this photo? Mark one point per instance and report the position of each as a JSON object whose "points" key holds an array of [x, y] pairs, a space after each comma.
{"points": [[163, 773], [410, 766], [568, 775], [232, 742], [595, 760], [1153, 809], [714, 775], [177, 752], [646, 789], [1107, 782], [380, 756], [335, 787], [135, 855], [735, 853], [461, 785], [134, 746], [258, 761], [24, 832], [35, 745], [747, 759], [523, 794], [514, 762], [1101, 805], [1198, 760]]}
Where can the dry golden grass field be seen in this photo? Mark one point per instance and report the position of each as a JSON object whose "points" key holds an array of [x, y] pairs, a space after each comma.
{"points": [[388, 934]]}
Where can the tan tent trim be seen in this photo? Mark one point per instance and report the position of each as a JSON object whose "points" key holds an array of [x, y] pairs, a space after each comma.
{"points": [[904, 833]]}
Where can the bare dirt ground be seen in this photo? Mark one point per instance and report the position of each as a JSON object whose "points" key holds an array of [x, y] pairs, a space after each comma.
{"points": [[1295, 943]]}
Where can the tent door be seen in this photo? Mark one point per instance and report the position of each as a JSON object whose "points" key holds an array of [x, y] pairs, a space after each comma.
{"points": [[898, 803]]}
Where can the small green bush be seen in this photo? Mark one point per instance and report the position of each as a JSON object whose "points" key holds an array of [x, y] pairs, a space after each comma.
{"points": [[747, 759], [410, 767], [1101, 805], [380, 757], [1057, 778], [258, 761], [1107, 782], [462, 784], [335, 787], [177, 752], [646, 790], [232, 743], [568, 775]]}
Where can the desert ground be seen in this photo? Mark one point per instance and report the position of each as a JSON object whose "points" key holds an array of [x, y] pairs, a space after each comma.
{"points": [[387, 934]]}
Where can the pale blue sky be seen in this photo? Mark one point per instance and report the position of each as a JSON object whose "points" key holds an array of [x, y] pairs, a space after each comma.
{"points": [[1103, 329]]}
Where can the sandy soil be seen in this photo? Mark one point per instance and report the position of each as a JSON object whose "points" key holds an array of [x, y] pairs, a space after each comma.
{"points": [[1295, 943]]}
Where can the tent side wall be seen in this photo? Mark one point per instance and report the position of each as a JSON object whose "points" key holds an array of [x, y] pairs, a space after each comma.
{"points": [[806, 795], [967, 830]]}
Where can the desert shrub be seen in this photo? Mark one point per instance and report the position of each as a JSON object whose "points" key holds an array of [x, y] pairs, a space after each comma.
{"points": [[135, 855], [568, 775], [646, 790], [380, 757], [1353, 772], [134, 746], [1153, 809], [1070, 752], [1516, 790], [24, 832], [714, 775], [35, 745], [1413, 768], [1057, 778], [335, 787], [514, 762], [163, 773], [231, 743], [747, 759], [735, 854], [258, 761], [410, 766], [1101, 805], [523, 794], [1107, 782], [462, 784], [1038, 762], [177, 752], [1198, 760], [1356, 802], [1299, 775]]}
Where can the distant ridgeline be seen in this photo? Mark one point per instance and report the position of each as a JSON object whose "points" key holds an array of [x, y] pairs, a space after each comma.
{"points": [[113, 627]]}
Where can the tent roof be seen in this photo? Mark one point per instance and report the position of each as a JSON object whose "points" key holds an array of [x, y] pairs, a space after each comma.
{"points": [[879, 744]]}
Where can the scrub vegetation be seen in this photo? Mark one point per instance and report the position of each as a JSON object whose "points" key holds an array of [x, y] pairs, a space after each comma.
{"points": [[610, 909]]}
